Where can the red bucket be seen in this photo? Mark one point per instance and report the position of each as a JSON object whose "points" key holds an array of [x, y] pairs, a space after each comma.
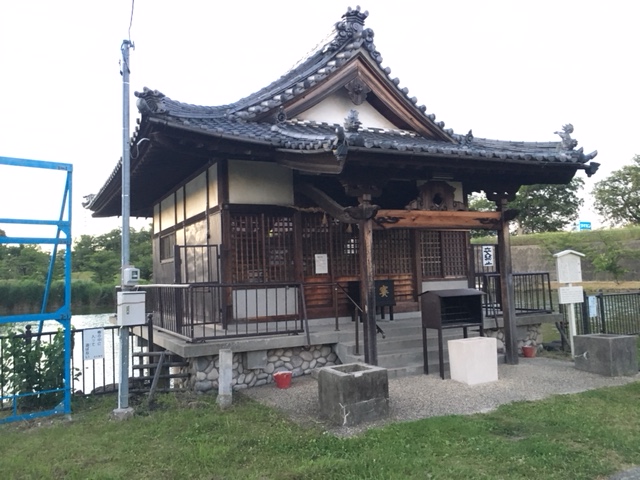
{"points": [[529, 351], [282, 379]]}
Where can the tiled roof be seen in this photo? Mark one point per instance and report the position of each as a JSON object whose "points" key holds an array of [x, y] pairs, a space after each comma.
{"points": [[242, 120], [347, 38], [261, 119], [308, 135]]}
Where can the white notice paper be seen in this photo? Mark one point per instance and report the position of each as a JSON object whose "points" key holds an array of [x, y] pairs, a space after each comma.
{"points": [[322, 264], [93, 343], [593, 306]]}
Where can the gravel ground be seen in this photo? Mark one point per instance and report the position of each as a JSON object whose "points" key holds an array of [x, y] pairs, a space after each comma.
{"points": [[424, 396]]}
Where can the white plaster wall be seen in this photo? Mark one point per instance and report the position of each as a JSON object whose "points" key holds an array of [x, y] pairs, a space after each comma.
{"points": [[196, 195], [196, 234], [250, 304], [215, 229], [167, 213], [335, 108], [156, 217], [213, 186], [180, 205], [180, 236], [260, 183]]}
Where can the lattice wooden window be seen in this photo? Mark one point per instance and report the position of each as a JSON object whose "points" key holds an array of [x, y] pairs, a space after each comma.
{"points": [[263, 248], [316, 238], [346, 250], [443, 254], [431, 254], [324, 234], [455, 252], [167, 245], [392, 251]]}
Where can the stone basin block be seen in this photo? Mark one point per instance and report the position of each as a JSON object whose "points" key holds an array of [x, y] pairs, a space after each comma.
{"points": [[607, 354], [353, 393], [474, 360]]}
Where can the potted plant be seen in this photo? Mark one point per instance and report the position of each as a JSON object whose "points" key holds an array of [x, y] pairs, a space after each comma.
{"points": [[529, 350]]}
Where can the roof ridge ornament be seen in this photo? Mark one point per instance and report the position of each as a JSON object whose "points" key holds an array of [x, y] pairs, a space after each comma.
{"points": [[468, 138], [351, 27], [352, 121], [150, 101], [567, 143], [281, 116]]}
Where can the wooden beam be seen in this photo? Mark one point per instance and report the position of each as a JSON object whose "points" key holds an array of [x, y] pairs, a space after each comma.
{"points": [[507, 290], [438, 220]]}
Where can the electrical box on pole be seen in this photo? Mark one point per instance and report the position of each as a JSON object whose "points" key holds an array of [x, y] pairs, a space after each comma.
{"points": [[130, 310], [130, 276]]}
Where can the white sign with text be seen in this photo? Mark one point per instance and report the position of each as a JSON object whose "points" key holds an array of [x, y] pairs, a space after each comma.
{"points": [[568, 295], [93, 344]]}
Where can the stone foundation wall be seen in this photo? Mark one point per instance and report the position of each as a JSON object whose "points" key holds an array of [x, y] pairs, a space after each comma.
{"points": [[203, 371], [526, 335]]}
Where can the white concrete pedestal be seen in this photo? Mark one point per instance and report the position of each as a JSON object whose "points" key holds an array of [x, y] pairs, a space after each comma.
{"points": [[473, 360]]}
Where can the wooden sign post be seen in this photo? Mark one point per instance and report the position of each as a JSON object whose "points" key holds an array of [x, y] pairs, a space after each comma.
{"points": [[568, 263]]}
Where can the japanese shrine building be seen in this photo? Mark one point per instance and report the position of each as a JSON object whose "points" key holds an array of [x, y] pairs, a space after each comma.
{"points": [[284, 184]]}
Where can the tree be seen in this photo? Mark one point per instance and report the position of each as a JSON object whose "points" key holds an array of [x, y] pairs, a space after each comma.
{"points": [[543, 208], [617, 197], [479, 203], [24, 262], [547, 208], [101, 255]]}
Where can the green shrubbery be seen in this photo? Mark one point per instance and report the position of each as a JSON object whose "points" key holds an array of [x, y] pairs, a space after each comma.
{"points": [[31, 366]]}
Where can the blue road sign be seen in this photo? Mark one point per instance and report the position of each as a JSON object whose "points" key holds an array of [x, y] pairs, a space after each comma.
{"points": [[585, 225]]}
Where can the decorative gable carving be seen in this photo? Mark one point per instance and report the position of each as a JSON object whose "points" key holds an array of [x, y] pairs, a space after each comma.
{"points": [[436, 195], [358, 90]]}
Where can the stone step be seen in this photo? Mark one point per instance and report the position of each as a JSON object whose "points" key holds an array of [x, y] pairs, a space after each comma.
{"points": [[400, 352], [434, 368], [393, 343]]}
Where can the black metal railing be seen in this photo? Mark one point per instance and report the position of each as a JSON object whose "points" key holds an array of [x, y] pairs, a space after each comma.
{"points": [[532, 293], [206, 311], [90, 377], [617, 313]]}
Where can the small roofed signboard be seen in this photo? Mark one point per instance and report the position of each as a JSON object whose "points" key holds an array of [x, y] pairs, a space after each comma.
{"points": [[568, 263]]}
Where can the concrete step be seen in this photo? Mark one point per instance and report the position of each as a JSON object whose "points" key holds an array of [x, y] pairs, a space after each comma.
{"points": [[393, 343], [400, 352]]}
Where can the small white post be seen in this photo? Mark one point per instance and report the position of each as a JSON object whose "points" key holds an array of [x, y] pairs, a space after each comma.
{"points": [[225, 377], [572, 325]]}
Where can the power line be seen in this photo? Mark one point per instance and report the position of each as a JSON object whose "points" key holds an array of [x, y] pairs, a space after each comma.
{"points": [[131, 19]]}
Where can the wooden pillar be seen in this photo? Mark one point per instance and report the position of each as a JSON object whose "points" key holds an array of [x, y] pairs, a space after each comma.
{"points": [[506, 287], [367, 286]]}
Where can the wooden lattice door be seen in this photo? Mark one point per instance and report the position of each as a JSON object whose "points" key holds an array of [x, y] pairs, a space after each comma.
{"points": [[337, 245]]}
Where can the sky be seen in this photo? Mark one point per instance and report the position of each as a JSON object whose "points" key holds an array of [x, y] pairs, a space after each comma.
{"points": [[507, 70]]}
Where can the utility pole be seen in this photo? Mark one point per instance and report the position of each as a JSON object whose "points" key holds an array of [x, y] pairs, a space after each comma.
{"points": [[124, 411]]}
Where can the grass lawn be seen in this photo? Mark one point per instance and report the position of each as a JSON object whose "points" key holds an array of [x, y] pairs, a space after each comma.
{"points": [[588, 435]]}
